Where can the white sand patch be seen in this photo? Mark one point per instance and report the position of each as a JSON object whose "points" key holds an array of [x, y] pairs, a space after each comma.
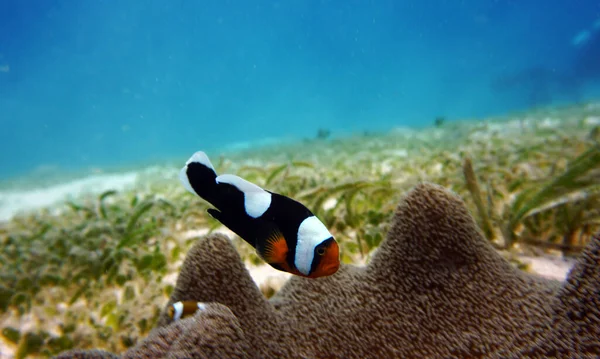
{"points": [[436, 169], [591, 121], [552, 267], [329, 204], [403, 131], [387, 167], [7, 349], [13, 202], [249, 145], [171, 278], [193, 233], [265, 274], [549, 122], [401, 153]]}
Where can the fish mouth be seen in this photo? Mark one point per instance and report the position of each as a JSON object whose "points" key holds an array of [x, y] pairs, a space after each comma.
{"points": [[329, 269], [332, 263], [324, 270]]}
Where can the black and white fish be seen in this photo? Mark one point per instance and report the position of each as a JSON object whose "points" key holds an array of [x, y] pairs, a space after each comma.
{"points": [[182, 309], [285, 233]]}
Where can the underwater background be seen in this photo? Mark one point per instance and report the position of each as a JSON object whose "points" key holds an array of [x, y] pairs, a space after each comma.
{"points": [[104, 83], [344, 106]]}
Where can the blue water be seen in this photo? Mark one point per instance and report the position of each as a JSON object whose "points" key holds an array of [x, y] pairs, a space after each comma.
{"points": [[109, 83]]}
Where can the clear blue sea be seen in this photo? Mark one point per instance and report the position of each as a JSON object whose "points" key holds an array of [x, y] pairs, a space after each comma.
{"points": [[113, 83]]}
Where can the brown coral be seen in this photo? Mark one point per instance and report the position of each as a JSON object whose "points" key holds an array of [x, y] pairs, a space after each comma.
{"points": [[213, 332], [574, 328], [435, 288]]}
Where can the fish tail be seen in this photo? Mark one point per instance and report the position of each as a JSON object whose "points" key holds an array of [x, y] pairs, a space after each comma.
{"points": [[199, 176]]}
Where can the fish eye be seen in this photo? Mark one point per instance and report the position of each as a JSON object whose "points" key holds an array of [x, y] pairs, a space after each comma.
{"points": [[320, 251]]}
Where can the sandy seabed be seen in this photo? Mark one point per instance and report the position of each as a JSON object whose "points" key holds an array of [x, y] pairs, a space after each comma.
{"points": [[25, 201], [13, 202], [20, 201]]}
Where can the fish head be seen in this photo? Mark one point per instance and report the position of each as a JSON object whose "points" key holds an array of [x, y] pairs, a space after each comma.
{"points": [[327, 259], [317, 252], [171, 312]]}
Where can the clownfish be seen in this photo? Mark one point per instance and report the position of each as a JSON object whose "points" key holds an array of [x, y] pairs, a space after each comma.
{"points": [[284, 233], [184, 309]]}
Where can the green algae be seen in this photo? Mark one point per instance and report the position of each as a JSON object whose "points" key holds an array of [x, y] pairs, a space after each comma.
{"points": [[83, 254], [97, 269], [30, 343], [11, 334], [473, 187], [563, 201], [101, 205], [582, 176]]}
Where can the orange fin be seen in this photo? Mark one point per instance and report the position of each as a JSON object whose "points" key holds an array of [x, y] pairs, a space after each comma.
{"points": [[275, 248]]}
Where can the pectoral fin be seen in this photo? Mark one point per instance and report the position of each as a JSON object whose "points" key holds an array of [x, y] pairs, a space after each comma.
{"points": [[271, 244]]}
